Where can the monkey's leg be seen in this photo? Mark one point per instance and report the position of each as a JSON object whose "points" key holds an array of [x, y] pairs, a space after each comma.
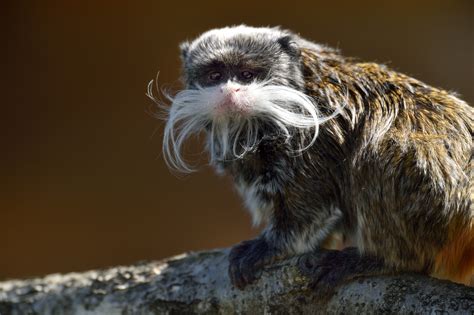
{"points": [[326, 268], [248, 258]]}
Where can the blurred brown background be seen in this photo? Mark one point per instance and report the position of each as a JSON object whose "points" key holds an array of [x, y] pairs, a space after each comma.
{"points": [[83, 182]]}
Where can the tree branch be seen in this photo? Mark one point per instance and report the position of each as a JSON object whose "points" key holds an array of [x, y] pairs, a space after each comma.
{"points": [[198, 283]]}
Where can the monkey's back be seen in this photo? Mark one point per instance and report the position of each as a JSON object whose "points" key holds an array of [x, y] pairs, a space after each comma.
{"points": [[411, 171]]}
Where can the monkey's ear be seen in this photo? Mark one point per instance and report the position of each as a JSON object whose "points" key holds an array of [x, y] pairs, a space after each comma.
{"points": [[289, 45], [184, 49]]}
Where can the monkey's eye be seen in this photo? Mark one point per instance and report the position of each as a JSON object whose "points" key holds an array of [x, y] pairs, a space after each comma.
{"points": [[247, 75], [215, 76]]}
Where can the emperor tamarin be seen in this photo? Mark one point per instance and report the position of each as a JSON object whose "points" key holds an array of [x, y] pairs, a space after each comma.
{"points": [[321, 145]]}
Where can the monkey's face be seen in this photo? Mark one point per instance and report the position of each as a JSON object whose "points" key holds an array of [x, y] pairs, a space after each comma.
{"points": [[243, 84]]}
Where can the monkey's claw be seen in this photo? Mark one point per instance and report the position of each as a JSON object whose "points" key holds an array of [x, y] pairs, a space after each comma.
{"points": [[246, 261]]}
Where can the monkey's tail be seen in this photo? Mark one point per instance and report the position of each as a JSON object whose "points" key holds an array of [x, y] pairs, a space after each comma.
{"points": [[456, 260]]}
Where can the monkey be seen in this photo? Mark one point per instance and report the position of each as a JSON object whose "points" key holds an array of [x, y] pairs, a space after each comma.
{"points": [[320, 145]]}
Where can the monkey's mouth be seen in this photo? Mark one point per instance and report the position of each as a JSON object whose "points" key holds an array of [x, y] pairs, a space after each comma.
{"points": [[231, 108]]}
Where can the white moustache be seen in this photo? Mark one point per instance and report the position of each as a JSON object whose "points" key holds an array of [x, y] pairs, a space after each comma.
{"points": [[233, 113]]}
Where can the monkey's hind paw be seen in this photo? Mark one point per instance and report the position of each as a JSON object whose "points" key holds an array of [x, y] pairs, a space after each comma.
{"points": [[246, 261], [329, 269]]}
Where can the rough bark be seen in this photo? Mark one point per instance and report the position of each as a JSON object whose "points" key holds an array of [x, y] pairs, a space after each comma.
{"points": [[198, 283]]}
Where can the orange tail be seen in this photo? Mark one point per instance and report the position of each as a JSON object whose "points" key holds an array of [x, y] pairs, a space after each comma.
{"points": [[456, 260]]}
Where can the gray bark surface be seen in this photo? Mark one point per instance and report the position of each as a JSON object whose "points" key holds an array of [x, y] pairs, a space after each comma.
{"points": [[198, 283]]}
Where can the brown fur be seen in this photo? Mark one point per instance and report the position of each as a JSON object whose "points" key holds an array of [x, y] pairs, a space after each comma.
{"points": [[424, 159], [455, 261]]}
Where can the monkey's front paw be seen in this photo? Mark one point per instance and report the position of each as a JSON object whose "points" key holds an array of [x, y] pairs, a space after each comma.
{"points": [[246, 261]]}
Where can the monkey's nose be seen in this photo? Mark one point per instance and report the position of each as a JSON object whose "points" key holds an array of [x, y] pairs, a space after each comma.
{"points": [[230, 89]]}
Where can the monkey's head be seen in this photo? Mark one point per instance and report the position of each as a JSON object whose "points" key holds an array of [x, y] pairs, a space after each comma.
{"points": [[243, 85]]}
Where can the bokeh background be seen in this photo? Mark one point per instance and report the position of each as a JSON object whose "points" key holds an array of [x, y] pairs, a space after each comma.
{"points": [[83, 181]]}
